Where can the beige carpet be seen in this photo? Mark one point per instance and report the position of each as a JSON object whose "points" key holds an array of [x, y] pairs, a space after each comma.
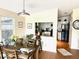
{"points": [[64, 52]]}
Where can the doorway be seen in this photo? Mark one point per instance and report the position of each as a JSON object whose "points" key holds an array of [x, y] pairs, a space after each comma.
{"points": [[63, 32]]}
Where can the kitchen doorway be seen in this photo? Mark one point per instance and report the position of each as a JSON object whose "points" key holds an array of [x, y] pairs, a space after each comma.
{"points": [[63, 32]]}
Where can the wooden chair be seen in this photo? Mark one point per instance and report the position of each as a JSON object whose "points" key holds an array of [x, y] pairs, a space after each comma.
{"points": [[1, 56], [10, 53], [38, 43], [38, 47], [25, 55], [22, 56]]}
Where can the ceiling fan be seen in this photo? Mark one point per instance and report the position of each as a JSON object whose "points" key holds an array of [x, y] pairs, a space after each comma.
{"points": [[23, 11]]}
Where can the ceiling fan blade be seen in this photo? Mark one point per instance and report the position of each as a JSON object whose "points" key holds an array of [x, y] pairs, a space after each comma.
{"points": [[23, 13], [19, 13], [27, 13]]}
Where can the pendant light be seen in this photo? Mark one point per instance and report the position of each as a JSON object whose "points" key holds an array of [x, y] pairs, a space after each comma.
{"points": [[23, 11]]}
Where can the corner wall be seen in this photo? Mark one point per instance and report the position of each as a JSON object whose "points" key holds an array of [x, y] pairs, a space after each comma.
{"points": [[74, 34]]}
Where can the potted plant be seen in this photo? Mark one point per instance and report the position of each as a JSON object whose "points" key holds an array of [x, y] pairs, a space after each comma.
{"points": [[30, 40], [30, 36], [13, 39]]}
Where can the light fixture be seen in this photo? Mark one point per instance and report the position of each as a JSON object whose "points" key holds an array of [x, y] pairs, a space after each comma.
{"points": [[23, 11]]}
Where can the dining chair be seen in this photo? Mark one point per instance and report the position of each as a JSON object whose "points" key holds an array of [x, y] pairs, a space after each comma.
{"points": [[10, 53], [38, 43], [22, 56], [25, 55], [1, 56]]}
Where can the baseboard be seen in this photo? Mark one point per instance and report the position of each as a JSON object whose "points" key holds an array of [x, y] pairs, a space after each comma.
{"points": [[50, 51]]}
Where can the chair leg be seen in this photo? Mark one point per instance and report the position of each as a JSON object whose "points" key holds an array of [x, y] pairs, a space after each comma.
{"points": [[28, 57]]}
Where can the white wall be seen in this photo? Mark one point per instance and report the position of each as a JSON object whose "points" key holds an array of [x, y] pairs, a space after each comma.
{"points": [[74, 40], [45, 16]]}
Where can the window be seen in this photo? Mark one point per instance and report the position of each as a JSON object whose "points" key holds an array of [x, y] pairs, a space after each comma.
{"points": [[6, 29]]}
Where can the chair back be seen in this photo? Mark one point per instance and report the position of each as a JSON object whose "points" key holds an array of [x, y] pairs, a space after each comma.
{"points": [[10, 53], [1, 54]]}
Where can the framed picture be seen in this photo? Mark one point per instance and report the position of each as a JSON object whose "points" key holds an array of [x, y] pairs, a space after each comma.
{"points": [[20, 24], [29, 25]]}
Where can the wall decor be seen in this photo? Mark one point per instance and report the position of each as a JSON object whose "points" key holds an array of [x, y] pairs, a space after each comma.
{"points": [[20, 24], [29, 25], [76, 24]]}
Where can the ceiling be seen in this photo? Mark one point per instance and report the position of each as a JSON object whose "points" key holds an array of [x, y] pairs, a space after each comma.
{"points": [[33, 6]]}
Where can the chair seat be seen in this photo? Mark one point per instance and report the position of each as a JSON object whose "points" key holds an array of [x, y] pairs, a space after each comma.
{"points": [[22, 56], [11, 55]]}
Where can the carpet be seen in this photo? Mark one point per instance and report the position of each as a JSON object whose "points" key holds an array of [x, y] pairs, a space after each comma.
{"points": [[64, 52]]}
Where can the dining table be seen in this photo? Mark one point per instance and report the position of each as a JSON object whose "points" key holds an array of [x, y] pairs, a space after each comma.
{"points": [[30, 51]]}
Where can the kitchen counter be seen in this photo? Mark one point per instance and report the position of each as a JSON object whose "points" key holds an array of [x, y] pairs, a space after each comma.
{"points": [[48, 43]]}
